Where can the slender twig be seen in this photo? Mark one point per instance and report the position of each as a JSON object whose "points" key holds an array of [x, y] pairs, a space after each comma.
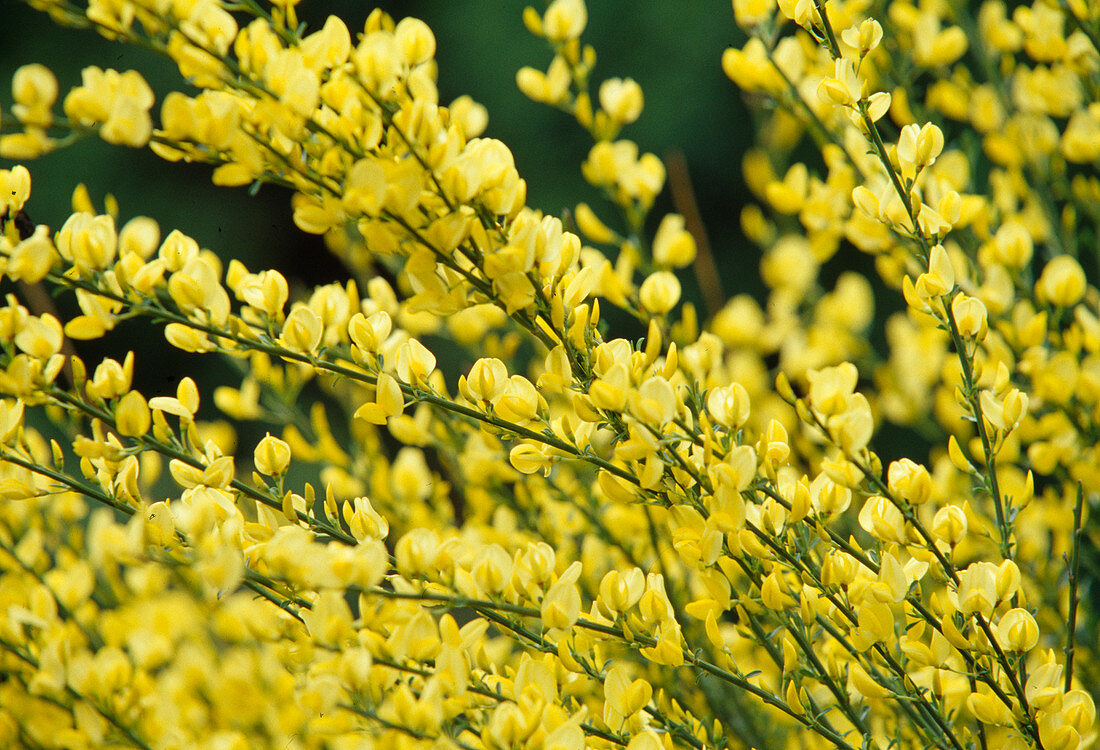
{"points": [[493, 610], [127, 732], [152, 308], [683, 199], [970, 389]]}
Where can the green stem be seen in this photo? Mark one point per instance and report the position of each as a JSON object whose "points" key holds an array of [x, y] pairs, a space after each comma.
{"points": [[970, 390], [705, 666], [126, 731]]}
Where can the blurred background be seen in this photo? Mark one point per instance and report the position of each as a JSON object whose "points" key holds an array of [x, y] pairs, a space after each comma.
{"points": [[672, 49]]}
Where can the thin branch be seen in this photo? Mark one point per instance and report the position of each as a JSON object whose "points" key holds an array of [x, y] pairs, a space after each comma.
{"points": [[683, 199]]}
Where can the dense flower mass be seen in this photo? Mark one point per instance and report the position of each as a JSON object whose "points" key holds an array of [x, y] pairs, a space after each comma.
{"points": [[580, 540]]}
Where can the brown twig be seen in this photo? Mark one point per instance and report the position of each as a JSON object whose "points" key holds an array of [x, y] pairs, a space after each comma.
{"points": [[683, 199]]}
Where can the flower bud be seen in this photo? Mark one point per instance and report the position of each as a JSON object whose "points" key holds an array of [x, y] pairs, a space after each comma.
{"points": [[272, 456], [949, 525], [729, 405], [302, 330], [591, 225], [660, 292], [970, 316], [1012, 244], [1017, 630], [673, 245], [1008, 580], [910, 480]]}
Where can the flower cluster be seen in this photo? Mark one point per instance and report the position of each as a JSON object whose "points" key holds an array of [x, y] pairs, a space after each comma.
{"points": [[480, 519]]}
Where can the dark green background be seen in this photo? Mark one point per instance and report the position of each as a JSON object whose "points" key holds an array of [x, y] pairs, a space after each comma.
{"points": [[672, 49]]}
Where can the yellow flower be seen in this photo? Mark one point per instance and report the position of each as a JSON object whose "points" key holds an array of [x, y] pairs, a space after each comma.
{"points": [[949, 525], [918, 147], [1017, 630], [41, 337], [1062, 282], [843, 88], [970, 316], [940, 278], [621, 591], [132, 415], [486, 380], [564, 20], [414, 362], [863, 38], [562, 604], [271, 456], [329, 620], [15, 188], [120, 102], [369, 332], [935, 46], [34, 89], [660, 292], [910, 480], [364, 521], [673, 245], [875, 624], [302, 330], [389, 401], [266, 291], [623, 697], [881, 518], [989, 709], [520, 402], [621, 99], [655, 401], [749, 13], [1013, 244], [977, 589], [90, 242], [831, 388]]}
